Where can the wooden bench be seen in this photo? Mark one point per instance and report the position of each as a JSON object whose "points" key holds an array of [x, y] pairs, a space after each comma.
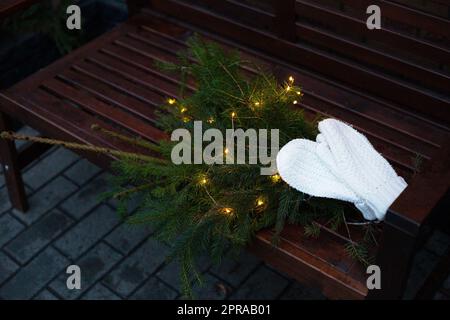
{"points": [[391, 84]]}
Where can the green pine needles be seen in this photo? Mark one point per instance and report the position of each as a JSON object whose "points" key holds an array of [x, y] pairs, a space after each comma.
{"points": [[218, 209]]}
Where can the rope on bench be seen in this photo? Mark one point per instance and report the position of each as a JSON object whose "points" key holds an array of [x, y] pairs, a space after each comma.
{"points": [[78, 146]]}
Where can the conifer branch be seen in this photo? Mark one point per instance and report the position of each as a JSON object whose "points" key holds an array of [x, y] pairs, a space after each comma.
{"points": [[126, 192], [214, 208], [232, 77], [135, 141]]}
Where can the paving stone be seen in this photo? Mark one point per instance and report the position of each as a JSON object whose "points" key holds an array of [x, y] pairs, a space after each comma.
{"points": [[234, 271], [263, 284], [126, 237], [26, 130], [9, 227], [137, 267], [86, 198], [100, 292], [423, 263], [82, 171], [94, 265], [211, 289], [7, 267], [170, 273], [36, 237], [90, 230], [45, 295], [34, 276], [438, 242], [154, 289], [49, 167], [132, 204], [46, 199], [297, 291]]}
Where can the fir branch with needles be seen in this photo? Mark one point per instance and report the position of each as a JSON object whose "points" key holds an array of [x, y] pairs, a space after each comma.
{"points": [[212, 208]]}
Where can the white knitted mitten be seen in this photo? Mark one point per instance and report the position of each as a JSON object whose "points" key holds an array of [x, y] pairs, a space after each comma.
{"points": [[361, 168], [343, 165], [304, 168]]}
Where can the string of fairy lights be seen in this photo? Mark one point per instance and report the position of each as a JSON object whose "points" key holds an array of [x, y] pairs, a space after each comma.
{"points": [[203, 181]]}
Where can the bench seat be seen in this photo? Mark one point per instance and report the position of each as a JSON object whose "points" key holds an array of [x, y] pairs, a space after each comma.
{"points": [[113, 82]]}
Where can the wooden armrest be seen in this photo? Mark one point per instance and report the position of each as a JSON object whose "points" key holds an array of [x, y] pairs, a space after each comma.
{"points": [[425, 194], [8, 7]]}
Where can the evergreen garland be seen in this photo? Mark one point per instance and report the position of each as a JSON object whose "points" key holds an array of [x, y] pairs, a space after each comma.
{"points": [[213, 208]]}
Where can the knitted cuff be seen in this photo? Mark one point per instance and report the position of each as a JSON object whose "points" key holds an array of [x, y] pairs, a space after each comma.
{"points": [[376, 204]]}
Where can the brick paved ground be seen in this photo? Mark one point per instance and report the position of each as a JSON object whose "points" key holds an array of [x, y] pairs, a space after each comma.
{"points": [[68, 225]]}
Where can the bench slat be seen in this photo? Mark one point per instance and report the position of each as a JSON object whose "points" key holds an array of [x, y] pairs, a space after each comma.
{"points": [[55, 118], [367, 56], [248, 14], [314, 85], [135, 125], [110, 95], [406, 15], [414, 97], [308, 268], [352, 26], [123, 85]]}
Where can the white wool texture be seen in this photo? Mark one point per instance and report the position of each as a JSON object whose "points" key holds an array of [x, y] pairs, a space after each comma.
{"points": [[341, 164]]}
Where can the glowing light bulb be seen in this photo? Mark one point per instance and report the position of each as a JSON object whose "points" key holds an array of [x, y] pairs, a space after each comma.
{"points": [[203, 181], [171, 101], [295, 102], [291, 79], [260, 204], [186, 119], [227, 211], [257, 103], [183, 110], [233, 114], [299, 93], [211, 120], [288, 88], [226, 151], [275, 178]]}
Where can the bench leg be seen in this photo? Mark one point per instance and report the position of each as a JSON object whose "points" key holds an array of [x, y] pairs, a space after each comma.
{"points": [[394, 258], [11, 168]]}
